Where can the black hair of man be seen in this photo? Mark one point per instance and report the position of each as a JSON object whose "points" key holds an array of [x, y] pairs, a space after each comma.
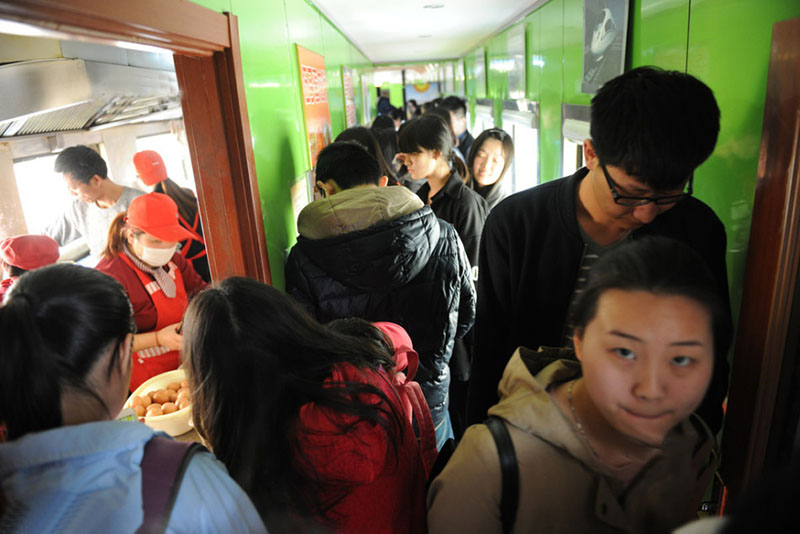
{"points": [[348, 164], [656, 125], [383, 121], [455, 104], [81, 163]]}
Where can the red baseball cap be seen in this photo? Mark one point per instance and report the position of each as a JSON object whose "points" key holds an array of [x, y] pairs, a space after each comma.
{"points": [[150, 167], [29, 251], [157, 215]]}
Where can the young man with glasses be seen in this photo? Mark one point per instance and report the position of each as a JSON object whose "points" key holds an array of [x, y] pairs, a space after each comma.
{"points": [[650, 130]]}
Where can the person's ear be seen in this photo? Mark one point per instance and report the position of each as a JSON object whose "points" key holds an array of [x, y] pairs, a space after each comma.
{"points": [[437, 154], [95, 180], [577, 342], [129, 235], [329, 186], [589, 155], [383, 181]]}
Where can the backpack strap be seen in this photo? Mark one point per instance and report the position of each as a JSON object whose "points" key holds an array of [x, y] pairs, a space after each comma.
{"points": [[163, 465], [509, 469]]}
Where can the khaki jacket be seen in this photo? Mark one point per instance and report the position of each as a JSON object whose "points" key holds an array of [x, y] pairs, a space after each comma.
{"points": [[561, 486]]}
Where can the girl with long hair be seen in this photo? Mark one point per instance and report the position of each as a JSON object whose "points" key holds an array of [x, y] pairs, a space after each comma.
{"points": [[489, 159], [426, 149], [64, 374], [304, 417], [142, 255], [608, 442]]}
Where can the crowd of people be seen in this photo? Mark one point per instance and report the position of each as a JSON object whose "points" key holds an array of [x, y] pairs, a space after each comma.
{"points": [[580, 327]]}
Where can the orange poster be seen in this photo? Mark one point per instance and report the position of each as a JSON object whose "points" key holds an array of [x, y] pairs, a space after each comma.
{"points": [[349, 97], [315, 101]]}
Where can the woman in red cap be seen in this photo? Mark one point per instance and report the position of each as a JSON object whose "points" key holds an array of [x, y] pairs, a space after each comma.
{"points": [[24, 253], [152, 172], [142, 255]]}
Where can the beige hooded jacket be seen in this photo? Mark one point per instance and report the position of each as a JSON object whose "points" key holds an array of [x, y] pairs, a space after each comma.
{"points": [[562, 489]]}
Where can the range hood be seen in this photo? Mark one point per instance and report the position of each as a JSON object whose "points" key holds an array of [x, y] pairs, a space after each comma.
{"points": [[54, 95]]}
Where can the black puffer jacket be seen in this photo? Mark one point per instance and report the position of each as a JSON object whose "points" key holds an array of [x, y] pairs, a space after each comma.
{"points": [[411, 270]]}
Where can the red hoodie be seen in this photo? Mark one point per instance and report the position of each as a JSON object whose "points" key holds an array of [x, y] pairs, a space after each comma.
{"points": [[387, 495]]}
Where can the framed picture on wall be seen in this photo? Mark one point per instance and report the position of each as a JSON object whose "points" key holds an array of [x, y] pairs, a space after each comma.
{"points": [[605, 29], [349, 97], [313, 81]]}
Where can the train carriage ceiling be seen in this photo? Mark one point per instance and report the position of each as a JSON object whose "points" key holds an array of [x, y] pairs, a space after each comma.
{"points": [[421, 30]]}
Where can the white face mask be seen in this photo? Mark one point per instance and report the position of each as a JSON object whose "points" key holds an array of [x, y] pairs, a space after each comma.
{"points": [[157, 257]]}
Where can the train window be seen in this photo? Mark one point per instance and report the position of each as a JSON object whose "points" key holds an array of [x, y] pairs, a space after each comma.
{"points": [[483, 116], [521, 120], [574, 129], [175, 154], [34, 177]]}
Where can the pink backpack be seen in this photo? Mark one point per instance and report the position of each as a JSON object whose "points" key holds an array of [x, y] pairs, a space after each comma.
{"points": [[414, 404]]}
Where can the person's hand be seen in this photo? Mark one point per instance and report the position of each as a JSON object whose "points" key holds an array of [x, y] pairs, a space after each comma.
{"points": [[170, 338]]}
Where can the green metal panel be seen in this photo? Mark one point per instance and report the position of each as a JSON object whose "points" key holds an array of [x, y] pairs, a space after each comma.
{"points": [[552, 55], [729, 46], [658, 33], [268, 30], [533, 57], [496, 77], [573, 53]]}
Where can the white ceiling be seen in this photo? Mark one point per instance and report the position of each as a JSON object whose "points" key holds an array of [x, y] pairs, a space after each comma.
{"points": [[403, 31]]}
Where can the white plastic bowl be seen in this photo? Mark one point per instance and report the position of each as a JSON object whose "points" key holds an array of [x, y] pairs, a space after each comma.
{"points": [[175, 423]]}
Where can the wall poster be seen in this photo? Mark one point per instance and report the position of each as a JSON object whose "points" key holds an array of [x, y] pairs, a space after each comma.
{"points": [[605, 28], [313, 82], [349, 97]]}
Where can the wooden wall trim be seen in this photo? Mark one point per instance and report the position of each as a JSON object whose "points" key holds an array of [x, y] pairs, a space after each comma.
{"points": [[175, 25], [771, 271]]}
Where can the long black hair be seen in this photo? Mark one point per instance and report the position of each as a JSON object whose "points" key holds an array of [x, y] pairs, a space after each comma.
{"points": [[431, 132], [55, 324], [492, 193], [255, 357]]}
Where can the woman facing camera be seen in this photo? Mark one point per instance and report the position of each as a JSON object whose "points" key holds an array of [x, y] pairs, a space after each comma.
{"points": [[67, 466], [607, 443], [305, 417], [488, 161], [142, 254]]}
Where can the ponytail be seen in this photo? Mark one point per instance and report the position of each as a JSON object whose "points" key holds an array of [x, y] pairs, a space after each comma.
{"points": [[56, 323], [116, 236], [459, 166], [30, 395]]}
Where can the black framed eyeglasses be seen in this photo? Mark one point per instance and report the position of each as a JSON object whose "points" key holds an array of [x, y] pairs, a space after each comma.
{"points": [[624, 200]]}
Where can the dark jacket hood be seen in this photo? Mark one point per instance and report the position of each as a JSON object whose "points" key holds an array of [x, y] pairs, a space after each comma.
{"points": [[386, 255]]}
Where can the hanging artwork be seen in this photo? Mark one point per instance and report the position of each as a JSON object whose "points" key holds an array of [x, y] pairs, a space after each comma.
{"points": [[605, 31], [313, 82], [349, 97]]}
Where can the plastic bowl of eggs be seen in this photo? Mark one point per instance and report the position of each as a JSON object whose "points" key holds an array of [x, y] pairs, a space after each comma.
{"points": [[164, 403]]}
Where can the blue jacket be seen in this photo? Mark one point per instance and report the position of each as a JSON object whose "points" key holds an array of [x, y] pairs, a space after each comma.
{"points": [[87, 478]]}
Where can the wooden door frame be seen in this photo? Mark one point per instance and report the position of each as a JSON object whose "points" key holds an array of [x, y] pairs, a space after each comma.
{"points": [[209, 71], [763, 350]]}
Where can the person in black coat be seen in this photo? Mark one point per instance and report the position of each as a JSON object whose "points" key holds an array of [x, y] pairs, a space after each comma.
{"points": [[378, 253], [650, 130]]}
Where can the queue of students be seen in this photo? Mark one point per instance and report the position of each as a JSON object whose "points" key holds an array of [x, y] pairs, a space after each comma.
{"points": [[310, 427]]}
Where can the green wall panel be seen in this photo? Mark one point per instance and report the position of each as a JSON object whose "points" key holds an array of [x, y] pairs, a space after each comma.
{"points": [[552, 52], [268, 30], [729, 46], [658, 33], [573, 53]]}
